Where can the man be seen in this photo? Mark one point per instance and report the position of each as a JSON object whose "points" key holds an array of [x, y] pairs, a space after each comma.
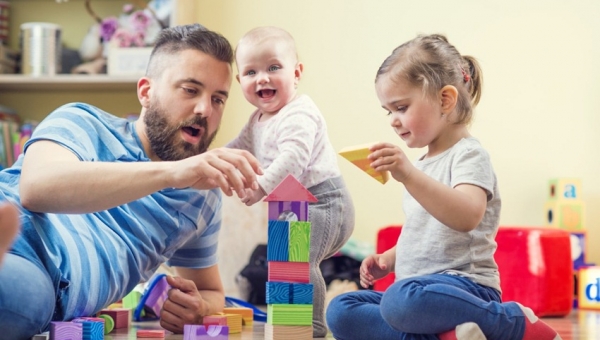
{"points": [[103, 202]]}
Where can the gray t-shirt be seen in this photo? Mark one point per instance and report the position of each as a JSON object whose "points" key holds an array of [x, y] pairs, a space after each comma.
{"points": [[427, 246]]}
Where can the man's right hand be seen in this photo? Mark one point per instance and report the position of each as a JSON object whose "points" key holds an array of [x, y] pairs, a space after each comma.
{"points": [[230, 169]]}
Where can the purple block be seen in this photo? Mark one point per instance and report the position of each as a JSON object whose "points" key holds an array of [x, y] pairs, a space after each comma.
{"points": [[300, 209], [158, 295], [62, 330], [201, 332]]}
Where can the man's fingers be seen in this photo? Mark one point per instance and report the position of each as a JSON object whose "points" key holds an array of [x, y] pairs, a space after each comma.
{"points": [[181, 283]]}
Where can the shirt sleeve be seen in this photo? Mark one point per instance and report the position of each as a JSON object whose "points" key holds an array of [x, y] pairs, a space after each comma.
{"points": [[473, 166]]}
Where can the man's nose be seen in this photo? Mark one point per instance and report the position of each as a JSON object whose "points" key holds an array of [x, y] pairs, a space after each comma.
{"points": [[203, 107]]}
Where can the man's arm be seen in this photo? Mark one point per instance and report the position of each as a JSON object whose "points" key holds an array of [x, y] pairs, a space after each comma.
{"points": [[194, 294], [54, 180]]}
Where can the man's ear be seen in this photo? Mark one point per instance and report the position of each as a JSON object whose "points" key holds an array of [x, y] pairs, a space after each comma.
{"points": [[449, 97], [143, 91]]}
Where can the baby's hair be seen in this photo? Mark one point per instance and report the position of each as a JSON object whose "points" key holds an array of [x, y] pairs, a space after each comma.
{"points": [[431, 62], [260, 34], [194, 36]]}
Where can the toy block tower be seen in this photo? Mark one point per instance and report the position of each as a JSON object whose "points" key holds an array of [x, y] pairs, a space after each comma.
{"points": [[289, 293], [564, 207]]}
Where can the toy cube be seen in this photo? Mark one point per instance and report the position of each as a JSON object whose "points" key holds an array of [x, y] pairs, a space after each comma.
{"points": [[564, 189], [589, 288], [536, 268], [567, 215], [299, 246]]}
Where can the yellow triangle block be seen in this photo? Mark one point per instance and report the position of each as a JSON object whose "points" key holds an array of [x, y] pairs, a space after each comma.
{"points": [[357, 155]]}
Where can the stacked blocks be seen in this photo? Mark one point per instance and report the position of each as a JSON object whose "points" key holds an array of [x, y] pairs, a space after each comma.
{"points": [[357, 155], [289, 293], [564, 207]]}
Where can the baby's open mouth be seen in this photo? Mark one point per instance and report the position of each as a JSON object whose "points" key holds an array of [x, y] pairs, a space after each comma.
{"points": [[266, 93]]}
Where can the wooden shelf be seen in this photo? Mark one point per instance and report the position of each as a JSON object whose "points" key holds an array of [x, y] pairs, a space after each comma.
{"points": [[67, 82]]}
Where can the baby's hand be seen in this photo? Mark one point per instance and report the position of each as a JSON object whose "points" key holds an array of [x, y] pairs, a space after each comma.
{"points": [[373, 268], [253, 195], [389, 157]]}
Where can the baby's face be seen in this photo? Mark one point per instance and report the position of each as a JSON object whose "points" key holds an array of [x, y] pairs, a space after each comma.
{"points": [[268, 73]]}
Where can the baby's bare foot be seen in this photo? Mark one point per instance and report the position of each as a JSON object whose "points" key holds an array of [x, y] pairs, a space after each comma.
{"points": [[9, 226]]}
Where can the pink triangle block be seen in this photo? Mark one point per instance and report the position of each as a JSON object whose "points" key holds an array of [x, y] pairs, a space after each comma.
{"points": [[290, 190]]}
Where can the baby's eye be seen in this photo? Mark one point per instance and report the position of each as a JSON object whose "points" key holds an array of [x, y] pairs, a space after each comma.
{"points": [[401, 109], [274, 68], [250, 73]]}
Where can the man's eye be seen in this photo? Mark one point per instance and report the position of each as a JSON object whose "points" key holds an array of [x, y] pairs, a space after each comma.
{"points": [[189, 90]]}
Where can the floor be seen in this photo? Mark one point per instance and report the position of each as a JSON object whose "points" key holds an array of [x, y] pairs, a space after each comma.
{"points": [[584, 325]]}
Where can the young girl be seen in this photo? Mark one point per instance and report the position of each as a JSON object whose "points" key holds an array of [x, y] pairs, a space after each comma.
{"points": [[447, 282], [288, 135]]}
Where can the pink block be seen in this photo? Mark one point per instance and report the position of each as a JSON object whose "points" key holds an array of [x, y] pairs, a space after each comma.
{"points": [[296, 272], [214, 320]]}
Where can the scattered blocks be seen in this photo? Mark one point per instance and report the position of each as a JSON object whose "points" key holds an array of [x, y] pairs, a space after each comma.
{"points": [[217, 320], [357, 155], [109, 323], [201, 332]]}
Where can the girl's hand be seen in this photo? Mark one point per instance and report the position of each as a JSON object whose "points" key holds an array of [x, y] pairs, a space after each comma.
{"points": [[373, 268], [389, 157]]}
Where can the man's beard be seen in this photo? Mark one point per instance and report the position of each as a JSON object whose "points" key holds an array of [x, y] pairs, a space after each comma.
{"points": [[165, 140]]}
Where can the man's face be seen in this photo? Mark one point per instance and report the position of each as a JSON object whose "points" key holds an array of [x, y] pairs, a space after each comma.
{"points": [[186, 104]]}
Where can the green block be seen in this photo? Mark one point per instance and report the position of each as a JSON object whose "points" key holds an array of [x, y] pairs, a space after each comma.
{"points": [[131, 300], [299, 247], [289, 315]]}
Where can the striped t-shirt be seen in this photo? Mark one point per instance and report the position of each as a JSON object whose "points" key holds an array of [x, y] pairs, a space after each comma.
{"points": [[98, 258]]}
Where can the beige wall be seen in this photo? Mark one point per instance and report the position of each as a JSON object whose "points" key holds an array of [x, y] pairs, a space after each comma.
{"points": [[539, 115]]}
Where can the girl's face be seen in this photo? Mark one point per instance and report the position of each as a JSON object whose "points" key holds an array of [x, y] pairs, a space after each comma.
{"points": [[268, 74], [417, 119]]}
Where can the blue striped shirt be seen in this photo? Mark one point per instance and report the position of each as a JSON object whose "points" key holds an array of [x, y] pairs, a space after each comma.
{"points": [[102, 256]]}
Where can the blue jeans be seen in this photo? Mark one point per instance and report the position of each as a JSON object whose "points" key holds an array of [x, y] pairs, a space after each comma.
{"points": [[422, 307], [27, 298]]}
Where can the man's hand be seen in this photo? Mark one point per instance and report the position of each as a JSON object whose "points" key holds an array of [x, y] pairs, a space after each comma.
{"points": [[229, 169], [184, 305]]}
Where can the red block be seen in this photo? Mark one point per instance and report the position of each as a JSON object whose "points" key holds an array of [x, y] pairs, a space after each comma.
{"points": [[536, 268], [534, 263], [289, 272]]}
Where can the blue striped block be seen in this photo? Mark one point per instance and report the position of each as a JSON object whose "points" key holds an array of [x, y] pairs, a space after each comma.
{"points": [[278, 241], [289, 293]]}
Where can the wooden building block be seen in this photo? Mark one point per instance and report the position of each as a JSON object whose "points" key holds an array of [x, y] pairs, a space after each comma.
{"points": [[121, 316], [289, 293], [292, 315], [578, 249], [564, 189], [280, 332], [278, 241], [589, 288], [234, 322], [201, 332], [299, 246], [567, 215], [64, 330], [357, 155], [294, 272], [151, 333], [92, 328], [246, 313]]}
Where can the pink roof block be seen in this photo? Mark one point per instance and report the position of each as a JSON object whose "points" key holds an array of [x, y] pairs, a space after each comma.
{"points": [[290, 190]]}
